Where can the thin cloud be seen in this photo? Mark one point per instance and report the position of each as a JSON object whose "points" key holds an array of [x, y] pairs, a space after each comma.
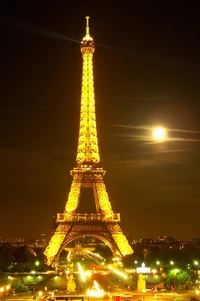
{"points": [[138, 160], [150, 98], [146, 136], [150, 127]]}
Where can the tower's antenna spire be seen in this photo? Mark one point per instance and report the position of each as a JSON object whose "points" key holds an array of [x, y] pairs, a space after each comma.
{"points": [[87, 35], [87, 26]]}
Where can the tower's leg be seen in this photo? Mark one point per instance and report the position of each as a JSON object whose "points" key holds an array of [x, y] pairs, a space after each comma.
{"points": [[73, 198], [55, 243], [104, 202], [59, 235], [120, 239]]}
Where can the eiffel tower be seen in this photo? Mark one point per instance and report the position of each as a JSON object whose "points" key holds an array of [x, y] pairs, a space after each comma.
{"points": [[104, 224]]}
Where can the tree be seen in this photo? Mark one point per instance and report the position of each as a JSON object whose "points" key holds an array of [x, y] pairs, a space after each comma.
{"points": [[6, 256], [24, 258], [19, 287], [23, 254], [176, 277]]}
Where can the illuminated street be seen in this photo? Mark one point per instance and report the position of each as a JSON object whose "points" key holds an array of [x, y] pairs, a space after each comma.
{"points": [[135, 296]]}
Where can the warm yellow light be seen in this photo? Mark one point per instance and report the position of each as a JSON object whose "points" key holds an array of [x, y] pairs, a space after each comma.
{"points": [[176, 270], [81, 272], [88, 273], [96, 291], [159, 134], [87, 168]]}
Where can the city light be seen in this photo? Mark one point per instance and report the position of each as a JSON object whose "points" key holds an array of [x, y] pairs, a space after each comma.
{"points": [[96, 291], [82, 274], [143, 269], [175, 271], [96, 255], [119, 273], [68, 256]]}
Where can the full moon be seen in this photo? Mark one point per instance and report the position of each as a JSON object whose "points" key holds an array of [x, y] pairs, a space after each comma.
{"points": [[159, 134]]}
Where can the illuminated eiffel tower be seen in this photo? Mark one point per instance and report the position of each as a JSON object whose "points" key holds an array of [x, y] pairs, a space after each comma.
{"points": [[104, 224]]}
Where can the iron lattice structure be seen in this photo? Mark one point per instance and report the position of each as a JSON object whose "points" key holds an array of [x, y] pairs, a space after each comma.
{"points": [[104, 224]]}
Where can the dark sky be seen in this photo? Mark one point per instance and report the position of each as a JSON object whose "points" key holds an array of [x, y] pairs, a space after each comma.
{"points": [[146, 68]]}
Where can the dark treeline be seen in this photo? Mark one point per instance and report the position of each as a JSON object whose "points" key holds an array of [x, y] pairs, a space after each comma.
{"points": [[181, 257], [21, 259]]}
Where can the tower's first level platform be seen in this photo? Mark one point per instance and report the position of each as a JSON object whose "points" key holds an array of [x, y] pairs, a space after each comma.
{"points": [[86, 217]]}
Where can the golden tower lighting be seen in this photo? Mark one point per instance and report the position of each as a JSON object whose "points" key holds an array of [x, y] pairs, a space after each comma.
{"points": [[104, 223]]}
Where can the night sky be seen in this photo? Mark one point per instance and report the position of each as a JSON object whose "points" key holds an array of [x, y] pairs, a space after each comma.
{"points": [[146, 69]]}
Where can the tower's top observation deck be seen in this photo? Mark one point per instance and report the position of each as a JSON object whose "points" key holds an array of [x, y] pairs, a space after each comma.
{"points": [[87, 40]]}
